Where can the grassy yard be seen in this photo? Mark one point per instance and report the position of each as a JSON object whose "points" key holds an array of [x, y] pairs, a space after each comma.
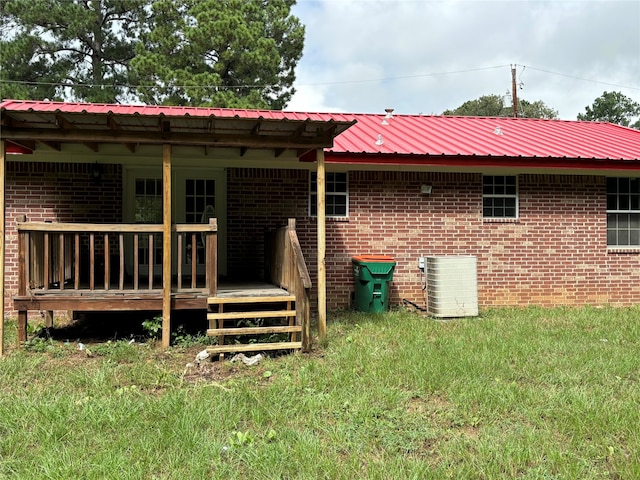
{"points": [[514, 393]]}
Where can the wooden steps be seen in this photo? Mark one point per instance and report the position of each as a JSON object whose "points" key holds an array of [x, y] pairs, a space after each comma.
{"points": [[257, 316], [253, 347]]}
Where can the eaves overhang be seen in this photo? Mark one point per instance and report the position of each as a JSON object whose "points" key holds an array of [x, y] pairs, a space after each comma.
{"points": [[25, 125]]}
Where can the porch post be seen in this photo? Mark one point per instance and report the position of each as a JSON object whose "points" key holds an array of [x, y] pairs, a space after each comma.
{"points": [[2, 242], [322, 272], [166, 245]]}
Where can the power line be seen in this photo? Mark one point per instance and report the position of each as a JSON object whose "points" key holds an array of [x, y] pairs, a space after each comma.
{"points": [[579, 78], [346, 82], [317, 84]]}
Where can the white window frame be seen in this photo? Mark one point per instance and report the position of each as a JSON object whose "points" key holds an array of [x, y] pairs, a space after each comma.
{"points": [[329, 179], [504, 195], [620, 205]]}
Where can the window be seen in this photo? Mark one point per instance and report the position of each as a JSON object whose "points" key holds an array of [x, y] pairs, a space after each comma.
{"points": [[623, 212], [148, 209], [336, 195], [148, 200], [499, 196]]}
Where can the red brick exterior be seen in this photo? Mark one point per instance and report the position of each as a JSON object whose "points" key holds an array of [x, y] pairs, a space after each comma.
{"points": [[56, 192], [555, 253]]}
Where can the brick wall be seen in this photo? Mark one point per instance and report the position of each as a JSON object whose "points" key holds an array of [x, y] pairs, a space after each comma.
{"points": [[259, 199], [56, 192], [555, 253]]}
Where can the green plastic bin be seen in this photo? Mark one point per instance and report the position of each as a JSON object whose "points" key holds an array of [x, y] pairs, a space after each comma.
{"points": [[372, 274]]}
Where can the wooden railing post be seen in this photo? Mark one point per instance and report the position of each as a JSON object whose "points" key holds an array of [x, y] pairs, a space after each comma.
{"points": [[23, 247], [47, 260], [211, 258], [23, 242]]}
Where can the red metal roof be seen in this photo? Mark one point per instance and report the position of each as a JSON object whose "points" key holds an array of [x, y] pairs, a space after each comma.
{"points": [[416, 139], [417, 135], [34, 106]]}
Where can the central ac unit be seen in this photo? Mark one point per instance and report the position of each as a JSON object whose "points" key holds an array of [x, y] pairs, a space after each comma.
{"points": [[452, 286]]}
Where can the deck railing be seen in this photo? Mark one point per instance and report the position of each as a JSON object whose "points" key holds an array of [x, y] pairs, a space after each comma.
{"points": [[76, 257], [288, 270]]}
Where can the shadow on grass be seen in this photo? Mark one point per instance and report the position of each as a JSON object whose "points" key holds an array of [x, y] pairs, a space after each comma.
{"points": [[93, 327]]}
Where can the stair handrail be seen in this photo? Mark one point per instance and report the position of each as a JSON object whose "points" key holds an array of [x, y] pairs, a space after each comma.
{"points": [[302, 284], [289, 271]]}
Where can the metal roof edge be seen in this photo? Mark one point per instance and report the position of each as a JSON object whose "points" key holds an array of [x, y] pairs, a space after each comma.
{"points": [[441, 160]]}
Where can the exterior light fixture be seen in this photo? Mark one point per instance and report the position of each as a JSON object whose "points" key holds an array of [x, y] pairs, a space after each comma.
{"points": [[96, 173]]}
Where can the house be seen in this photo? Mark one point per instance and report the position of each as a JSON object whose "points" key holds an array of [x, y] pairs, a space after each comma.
{"points": [[550, 208]]}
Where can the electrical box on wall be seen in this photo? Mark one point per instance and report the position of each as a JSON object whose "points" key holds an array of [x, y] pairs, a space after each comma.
{"points": [[421, 263]]}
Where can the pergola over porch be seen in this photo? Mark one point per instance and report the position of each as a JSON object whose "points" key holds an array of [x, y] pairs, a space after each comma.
{"points": [[27, 126]]}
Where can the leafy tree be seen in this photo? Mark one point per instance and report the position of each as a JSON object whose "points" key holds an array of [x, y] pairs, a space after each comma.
{"points": [[21, 75], [224, 53], [77, 50], [493, 106], [537, 109], [613, 107]]}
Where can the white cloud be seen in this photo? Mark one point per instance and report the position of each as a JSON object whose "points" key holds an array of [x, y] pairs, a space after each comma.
{"points": [[367, 55]]}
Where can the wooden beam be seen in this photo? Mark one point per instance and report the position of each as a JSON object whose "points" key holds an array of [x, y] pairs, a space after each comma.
{"points": [[112, 227], [301, 129], [52, 144], [166, 245], [62, 122], [2, 243], [113, 125], [65, 124], [100, 300], [322, 272], [45, 135]]}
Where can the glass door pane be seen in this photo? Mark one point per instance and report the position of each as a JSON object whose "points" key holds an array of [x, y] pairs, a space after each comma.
{"points": [[148, 209], [200, 201]]}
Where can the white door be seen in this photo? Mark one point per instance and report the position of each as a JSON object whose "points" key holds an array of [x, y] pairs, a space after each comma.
{"points": [[198, 194]]}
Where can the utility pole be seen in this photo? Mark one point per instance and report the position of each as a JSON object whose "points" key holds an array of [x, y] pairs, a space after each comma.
{"points": [[514, 92]]}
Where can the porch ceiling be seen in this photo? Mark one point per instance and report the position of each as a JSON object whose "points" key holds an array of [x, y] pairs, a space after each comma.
{"points": [[29, 123]]}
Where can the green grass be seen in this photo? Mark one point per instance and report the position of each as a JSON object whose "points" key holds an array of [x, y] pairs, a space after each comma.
{"points": [[514, 393]]}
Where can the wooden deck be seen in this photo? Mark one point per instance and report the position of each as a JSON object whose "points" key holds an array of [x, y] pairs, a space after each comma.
{"points": [[51, 278], [249, 289], [120, 300]]}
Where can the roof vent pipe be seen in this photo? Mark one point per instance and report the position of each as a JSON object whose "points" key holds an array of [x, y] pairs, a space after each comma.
{"points": [[388, 116]]}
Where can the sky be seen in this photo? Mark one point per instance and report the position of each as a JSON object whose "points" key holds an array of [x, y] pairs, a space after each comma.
{"points": [[425, 56]]}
